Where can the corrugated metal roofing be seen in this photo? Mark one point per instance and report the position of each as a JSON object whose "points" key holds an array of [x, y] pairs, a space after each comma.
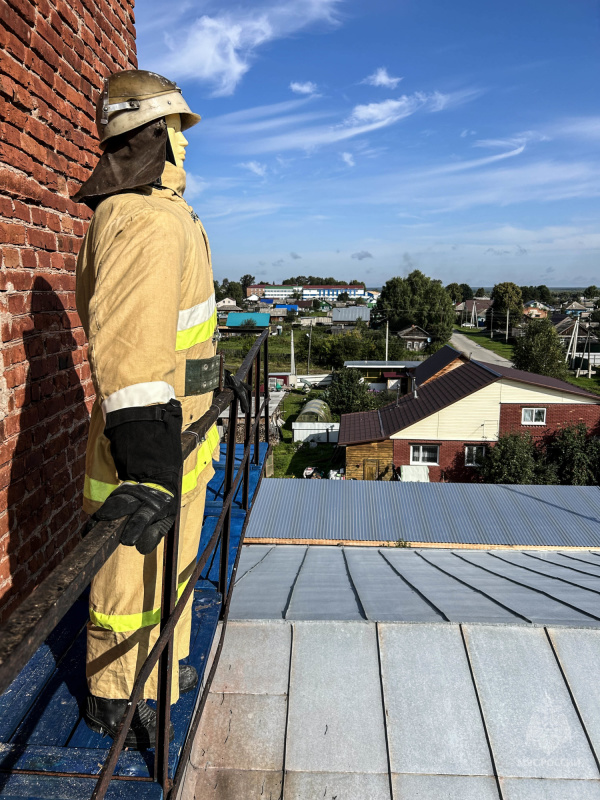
{"points": [[351, 314], [461, 513], [432, 397], [538, 380]]}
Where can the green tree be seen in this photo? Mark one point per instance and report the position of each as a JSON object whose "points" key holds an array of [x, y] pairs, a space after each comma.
{"points": [[316, 304], [591, 292], [507, 297], [417, 300], [511, 460], [595, 316], [246, 281], [540, 350], [544, 295], [231, 289], [480, 292], [348, 392], [455, 293], [574, 456], [343, 297], [466, 291]]}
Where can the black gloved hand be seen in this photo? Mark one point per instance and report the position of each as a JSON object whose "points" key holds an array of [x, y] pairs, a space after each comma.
{"points": [[151, 513], [239, 388]]}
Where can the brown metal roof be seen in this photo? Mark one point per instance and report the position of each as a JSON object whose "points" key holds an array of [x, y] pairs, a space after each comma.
{"points": [[539, 380], [435, 363], [372, 426]]}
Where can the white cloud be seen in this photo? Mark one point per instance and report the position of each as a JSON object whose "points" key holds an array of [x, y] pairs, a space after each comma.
{"points": [[348, 159], [219, 49], [381, 77], [256, 167], [298, 133], [579, 128], [303, 88]]}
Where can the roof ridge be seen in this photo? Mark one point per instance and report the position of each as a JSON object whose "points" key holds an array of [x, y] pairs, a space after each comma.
{"points": [[486, 367], [380, 423]]}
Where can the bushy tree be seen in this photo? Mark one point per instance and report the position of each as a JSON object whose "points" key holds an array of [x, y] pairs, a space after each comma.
{"points": [[591, 291], [316, 305], [507, 297], [466, 291], [455, 293], [513, 459], [246, 281], [343, 297], [574, 455], [540, 350], [348, 392], [418, 300], [480, 292]]}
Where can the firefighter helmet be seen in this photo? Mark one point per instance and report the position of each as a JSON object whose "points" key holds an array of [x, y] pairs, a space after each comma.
{"points": [[134, 97]]}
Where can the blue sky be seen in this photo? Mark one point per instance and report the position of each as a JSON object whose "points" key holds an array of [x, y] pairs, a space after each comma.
{"points": [[363, 138]]}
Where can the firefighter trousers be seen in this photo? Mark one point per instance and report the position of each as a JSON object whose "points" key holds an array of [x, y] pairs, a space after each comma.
{"points": [[125, 602]]}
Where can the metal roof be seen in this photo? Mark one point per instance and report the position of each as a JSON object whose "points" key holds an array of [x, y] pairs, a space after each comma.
{"points": [[528, 587], [381, 364], [435, 363], [432, 397], [351, 314], [239, 320], [461, 513]]}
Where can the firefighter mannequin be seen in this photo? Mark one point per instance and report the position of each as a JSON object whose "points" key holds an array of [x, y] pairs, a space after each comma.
{"points": [[146, 300]]}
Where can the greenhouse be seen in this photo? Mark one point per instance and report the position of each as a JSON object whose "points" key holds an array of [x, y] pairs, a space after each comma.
{"points": [[315, 411]]}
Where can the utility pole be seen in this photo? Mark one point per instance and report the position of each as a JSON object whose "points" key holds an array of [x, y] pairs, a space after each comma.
{"points": [[292, 356], [387, 337], [507, 313], [309, 344]]}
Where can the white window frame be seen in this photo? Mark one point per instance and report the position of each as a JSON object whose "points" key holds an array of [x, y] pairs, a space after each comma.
{"points": [[534, 409], [473, 463], [425, 463]]}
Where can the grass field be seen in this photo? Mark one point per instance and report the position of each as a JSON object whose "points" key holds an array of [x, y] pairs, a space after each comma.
{"points": [[289, 459], [496, 345], [279, 353]]}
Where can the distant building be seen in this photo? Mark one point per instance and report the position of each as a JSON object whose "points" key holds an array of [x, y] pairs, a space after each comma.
{"points": [[534, 309], [276, 292], [242, 319], [575, 308], [332, 292], [381, 374], [473, 312], [348, 317], [414, 338]]}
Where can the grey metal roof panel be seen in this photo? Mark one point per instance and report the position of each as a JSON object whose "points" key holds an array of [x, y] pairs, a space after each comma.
{"points": [[264, 589], [336, 719], [543, 789], [448, 787], [557, 516], [437, 731], [351, 314], [533, 727], [323, 589]]}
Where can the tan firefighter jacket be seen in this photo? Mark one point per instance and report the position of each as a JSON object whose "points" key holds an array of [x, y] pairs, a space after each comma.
{"points": [[145, 296]]}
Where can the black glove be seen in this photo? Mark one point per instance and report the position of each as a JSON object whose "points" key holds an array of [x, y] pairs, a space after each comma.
{"points": [[240, 389], [151, 513]]}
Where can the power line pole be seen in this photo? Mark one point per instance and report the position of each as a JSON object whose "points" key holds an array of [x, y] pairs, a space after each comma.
{"points": [[309, 344], [507, 313], [387, 336]]}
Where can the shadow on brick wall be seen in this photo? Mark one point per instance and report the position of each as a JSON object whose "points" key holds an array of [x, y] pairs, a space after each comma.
{"points": [[47, 471]]}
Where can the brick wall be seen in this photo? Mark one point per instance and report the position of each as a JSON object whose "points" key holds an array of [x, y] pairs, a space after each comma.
{"points": [[451, 460], [53, 56], [557, 416]]}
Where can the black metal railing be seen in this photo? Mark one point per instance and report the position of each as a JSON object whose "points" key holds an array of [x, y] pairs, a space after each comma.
{"points": [[27, 628]]}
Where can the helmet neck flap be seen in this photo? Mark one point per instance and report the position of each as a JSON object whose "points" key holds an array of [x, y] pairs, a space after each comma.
{"points": [[131, 160]]}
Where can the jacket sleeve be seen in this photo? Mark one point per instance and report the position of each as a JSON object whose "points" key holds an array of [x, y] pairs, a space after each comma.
{"points": [[132, 335]]}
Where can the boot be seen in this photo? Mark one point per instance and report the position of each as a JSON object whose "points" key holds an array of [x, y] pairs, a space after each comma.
{"points": [[104, 716], [188, 678]]}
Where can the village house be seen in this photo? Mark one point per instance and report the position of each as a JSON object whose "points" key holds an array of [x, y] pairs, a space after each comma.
{"points": [[534, 309], [414, 338], [456, 410]]}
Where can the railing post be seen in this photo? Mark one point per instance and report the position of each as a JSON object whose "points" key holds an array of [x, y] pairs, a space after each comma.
{"points": [[255, 456], [229, 473], [248, 425], [165, 664], [267, 418]]}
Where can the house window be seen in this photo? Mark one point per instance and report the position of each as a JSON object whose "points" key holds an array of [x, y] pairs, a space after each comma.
{"points": [[474, 455], [533, 416], [424, 454], [409, 345]]}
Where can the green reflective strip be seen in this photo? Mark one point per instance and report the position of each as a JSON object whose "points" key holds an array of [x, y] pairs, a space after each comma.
{"points": [[196, 334], [204, 457], [123, 623], [97, 491]]}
